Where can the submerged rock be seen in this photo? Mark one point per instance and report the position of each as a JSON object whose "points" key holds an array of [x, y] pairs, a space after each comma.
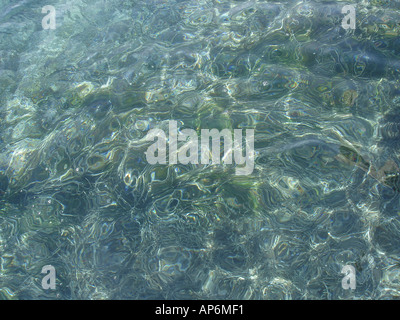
{"points": [[389, 131], [3, 184]]}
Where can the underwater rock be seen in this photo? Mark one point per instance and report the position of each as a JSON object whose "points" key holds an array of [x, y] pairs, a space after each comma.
{"points": [[389, 131], [393, 181], [3, 184], [348, 56], [99, 108], [7, 81]]}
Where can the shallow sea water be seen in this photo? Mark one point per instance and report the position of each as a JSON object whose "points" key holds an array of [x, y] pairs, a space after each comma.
{"points": [[77, 193]]}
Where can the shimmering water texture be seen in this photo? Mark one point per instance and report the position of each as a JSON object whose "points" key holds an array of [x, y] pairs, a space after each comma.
{"points": [[77, 193]]}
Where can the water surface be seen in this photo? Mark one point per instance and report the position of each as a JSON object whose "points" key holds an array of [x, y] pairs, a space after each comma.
{"points": [[77, 193]]}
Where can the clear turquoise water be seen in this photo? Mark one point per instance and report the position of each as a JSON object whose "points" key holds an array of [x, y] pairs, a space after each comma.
{"points": [[77, 193]]}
